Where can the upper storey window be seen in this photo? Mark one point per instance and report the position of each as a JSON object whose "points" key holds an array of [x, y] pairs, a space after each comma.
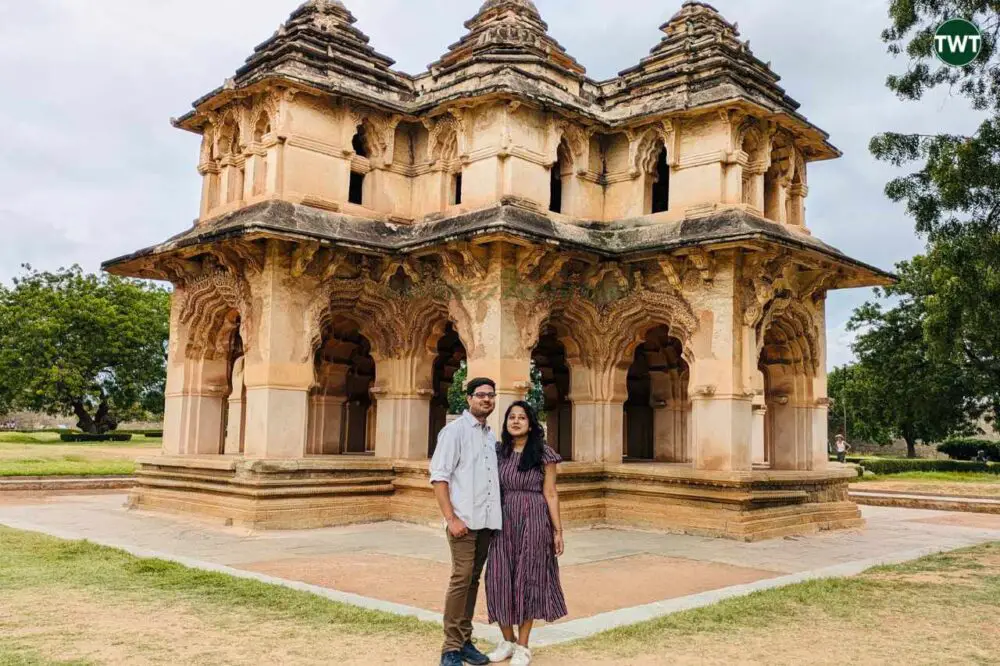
{"points": [[356, 186], [661, 184]]}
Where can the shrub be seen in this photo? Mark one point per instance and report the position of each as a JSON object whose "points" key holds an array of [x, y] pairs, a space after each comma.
{"points": [[86, 437], [900, 465], [968, 448], [142, 433]]}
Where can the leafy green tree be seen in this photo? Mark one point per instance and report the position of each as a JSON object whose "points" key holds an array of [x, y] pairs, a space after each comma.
{"points": [[536, 393], [456, 392], [954, 195], [855, 410], [898, 388], [91, 345]]}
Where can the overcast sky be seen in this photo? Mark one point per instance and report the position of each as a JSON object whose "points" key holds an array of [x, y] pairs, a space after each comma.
{"points": [[90, 167]]}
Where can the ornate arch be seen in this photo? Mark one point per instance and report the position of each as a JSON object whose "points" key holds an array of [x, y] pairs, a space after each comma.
{"points": [[207, 306], [228, 138], [794, 321]]}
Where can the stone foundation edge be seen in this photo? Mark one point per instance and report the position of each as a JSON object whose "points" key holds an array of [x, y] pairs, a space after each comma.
{"points": [[263, 496]]}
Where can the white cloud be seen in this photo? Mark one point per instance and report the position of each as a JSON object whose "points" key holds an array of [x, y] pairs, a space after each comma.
{"points": [[91, 169]]}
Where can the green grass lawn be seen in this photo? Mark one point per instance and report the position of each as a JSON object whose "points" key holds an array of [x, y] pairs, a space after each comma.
{"points": [[44, 454], [62, 601], [935, 610], [950, 477]]}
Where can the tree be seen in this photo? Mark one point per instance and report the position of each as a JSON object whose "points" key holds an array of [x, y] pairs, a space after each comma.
{"points": [[898, 388], [954, 197], [536, 393], [854, 412], [456, 392], [91, 345]]}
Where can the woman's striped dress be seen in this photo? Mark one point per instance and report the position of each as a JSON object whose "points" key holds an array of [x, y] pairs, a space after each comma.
{"points": [[522, 573]]}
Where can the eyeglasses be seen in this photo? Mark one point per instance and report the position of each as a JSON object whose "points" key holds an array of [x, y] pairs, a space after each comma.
{"points": [[484, 396]]}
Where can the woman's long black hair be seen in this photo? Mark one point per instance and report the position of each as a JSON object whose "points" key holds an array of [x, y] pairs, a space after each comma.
{"points": [[531, 457]]}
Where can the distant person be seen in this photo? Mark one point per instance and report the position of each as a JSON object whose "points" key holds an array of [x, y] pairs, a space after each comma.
{"points": [[841, 446], [981, 457]]}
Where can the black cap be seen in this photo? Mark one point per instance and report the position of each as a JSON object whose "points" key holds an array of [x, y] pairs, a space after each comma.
{"points": [[473, 384]]}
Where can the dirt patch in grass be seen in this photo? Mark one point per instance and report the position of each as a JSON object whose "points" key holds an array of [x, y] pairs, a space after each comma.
{"points": [[63, 600], [88, 626], [939, 609]]}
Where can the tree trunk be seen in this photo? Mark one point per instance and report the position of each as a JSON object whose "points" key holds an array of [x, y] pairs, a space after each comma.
{"points": [[911, 448], [83, 420], [103, 419]]}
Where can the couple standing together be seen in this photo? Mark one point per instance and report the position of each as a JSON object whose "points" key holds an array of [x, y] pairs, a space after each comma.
{"points": [[501, 505]]}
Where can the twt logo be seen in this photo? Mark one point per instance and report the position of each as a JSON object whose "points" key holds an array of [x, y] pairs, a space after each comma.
{"points": [[957, 42]]}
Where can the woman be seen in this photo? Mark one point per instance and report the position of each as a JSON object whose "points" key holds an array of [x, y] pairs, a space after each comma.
{"points": [[522, 574]]}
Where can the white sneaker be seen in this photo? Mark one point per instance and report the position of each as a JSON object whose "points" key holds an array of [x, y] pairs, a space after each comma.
{"points": [[522, 656], [502, 652]]}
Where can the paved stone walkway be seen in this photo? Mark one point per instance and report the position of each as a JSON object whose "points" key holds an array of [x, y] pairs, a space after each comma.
{"points": [[611, 577]]}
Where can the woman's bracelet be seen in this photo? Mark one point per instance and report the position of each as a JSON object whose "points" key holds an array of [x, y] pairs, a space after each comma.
{"points": [[557, 530]]}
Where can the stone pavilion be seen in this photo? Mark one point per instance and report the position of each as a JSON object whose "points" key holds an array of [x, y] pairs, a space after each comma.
{"points": [[642, 240]]}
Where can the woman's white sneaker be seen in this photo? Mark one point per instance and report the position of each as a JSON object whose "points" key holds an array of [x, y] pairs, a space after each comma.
{"points": [[522, 656], [502, 652]]}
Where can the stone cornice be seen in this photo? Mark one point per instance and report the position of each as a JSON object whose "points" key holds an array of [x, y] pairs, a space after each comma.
{"points": [[628, 240]]}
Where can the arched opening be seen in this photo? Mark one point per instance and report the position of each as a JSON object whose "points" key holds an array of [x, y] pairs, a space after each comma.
{"points": [[356, 185], [234, 408], [752, 178], [451, 168], [358, 142], [661, 184], [549, 356], [341, 407], [261, 129], [559, 175], [776, 180], [555, 189], [456, 189], [657, 410], [450, 354], [231, 151], [786, 362]]}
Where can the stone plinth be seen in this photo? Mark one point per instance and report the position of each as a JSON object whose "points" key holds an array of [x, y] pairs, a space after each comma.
{"points": [[266, 494], [338, 490]]}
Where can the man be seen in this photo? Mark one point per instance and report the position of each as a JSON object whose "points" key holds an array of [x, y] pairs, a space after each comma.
{"points": [[841, 446], [467, 489]]}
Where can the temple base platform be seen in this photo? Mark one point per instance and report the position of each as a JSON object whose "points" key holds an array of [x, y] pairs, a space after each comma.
{"points": [[338, 490]]}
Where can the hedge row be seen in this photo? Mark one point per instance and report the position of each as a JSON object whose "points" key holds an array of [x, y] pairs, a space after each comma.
{"points": [[900, 465], [36, 431], [86, 437], [968, 448]]}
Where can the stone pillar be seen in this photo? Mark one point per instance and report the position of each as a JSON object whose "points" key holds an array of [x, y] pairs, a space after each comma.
{"points": [[758, 408], [719, 389], [498, 319], [598, 397], [796, 204], [326, 417], [326, 408], [402, 397], [279, 370], [235, 413], [759, 417]]}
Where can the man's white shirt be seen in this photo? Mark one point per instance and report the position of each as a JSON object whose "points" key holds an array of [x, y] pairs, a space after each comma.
{"points": [[466, 459]]}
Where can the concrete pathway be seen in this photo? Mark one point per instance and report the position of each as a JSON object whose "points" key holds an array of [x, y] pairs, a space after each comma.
{"points": [[612, 577]]}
